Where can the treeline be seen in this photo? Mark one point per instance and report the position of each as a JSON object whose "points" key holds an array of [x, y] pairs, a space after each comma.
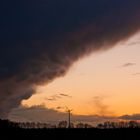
{"points": [[64, 124], [120, 124], [8, 124]]}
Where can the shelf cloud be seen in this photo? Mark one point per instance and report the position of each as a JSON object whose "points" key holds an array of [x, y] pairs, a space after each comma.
{"points": [[41, 39]]}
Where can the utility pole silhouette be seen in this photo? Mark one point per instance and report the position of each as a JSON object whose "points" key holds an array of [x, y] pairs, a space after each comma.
{"points": [[69, 117], [69, 114]]}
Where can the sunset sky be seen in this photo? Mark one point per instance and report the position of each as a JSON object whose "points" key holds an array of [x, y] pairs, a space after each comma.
{"points": [[77, 54], [104, 83]]}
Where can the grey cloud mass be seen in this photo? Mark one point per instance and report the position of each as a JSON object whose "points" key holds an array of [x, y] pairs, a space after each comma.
{"points": [[41, 39]]}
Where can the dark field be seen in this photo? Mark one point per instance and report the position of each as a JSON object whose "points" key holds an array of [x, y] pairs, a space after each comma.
{"points": [[11, 130], [133, 133]]}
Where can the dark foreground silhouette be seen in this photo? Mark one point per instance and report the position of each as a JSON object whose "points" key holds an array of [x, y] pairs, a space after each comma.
{"points": [[10, 129]]}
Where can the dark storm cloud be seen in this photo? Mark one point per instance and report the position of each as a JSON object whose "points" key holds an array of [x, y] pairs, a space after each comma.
{"points": [[40, 39]]}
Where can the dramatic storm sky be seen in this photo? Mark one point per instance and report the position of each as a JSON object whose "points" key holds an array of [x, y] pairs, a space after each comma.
{"points": [[41, 39]]}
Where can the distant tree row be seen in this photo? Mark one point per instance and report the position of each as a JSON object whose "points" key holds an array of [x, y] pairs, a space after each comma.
{"points": [[8, 124], [121, 124], [64, 124]]}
